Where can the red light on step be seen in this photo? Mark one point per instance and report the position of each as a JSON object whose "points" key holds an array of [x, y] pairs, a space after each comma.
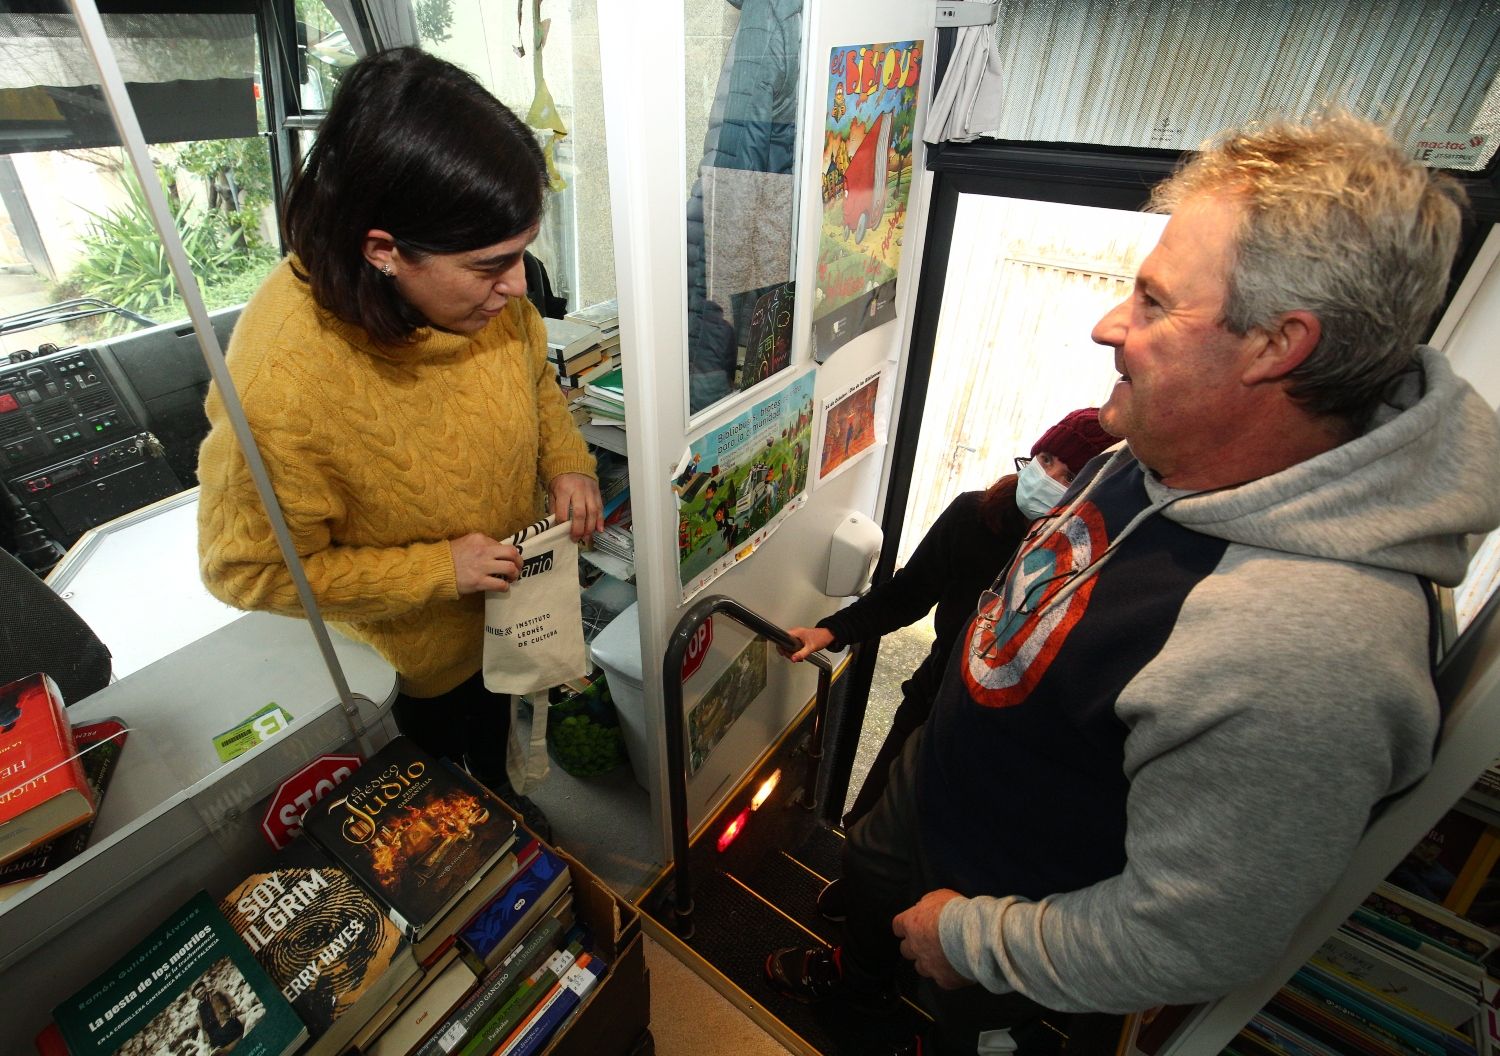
{"points": [[733, 829]]}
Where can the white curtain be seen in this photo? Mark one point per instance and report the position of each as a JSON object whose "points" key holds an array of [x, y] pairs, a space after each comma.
{"points": [[1163, 73], [391, 21]]}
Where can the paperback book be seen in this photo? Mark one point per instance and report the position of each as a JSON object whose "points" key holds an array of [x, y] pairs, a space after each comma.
{"points": [[415, 834], [191, 986], [325, 942]]}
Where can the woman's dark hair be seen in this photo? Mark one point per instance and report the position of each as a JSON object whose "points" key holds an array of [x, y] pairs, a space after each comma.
{"points": [[415, 146], [998, 510]]}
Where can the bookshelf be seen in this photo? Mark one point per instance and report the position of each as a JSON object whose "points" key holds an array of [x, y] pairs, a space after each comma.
{"points": [[1469, 681]]}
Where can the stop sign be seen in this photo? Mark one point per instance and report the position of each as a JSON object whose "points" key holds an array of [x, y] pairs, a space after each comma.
{"points": [[283, 820], [697, 649]]}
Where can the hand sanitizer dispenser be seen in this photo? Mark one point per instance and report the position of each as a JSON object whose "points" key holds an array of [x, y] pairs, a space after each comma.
{"points": [[852, 555]]}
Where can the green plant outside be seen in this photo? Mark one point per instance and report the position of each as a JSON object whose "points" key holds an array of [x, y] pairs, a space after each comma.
{"points": [[126, 264]]}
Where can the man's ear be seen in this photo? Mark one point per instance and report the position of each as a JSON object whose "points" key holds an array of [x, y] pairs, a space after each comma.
{"points": [[379, 249], [1287, 344]]}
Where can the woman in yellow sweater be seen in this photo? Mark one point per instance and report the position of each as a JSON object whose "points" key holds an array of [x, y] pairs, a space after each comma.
{"points": [[397, 382]]}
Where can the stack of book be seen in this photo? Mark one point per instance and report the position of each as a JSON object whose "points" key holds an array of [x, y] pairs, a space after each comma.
{"points": [[1410, 972], [354, 927], [52, 778], [584, 345], [535, 960], [603, 399]]}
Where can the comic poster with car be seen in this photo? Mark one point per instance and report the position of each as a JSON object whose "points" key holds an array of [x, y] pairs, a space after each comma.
{"points": [[737, 484], [867, 173]]}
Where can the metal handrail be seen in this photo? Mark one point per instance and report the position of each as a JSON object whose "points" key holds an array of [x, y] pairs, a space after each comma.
{"points": [[676, 721]]}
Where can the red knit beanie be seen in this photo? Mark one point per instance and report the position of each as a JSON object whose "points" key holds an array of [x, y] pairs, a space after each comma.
{"points": [[1075, 439]]}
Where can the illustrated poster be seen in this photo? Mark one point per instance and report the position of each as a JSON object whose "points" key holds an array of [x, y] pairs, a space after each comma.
{"points": [[737, 484], [708, 722], [867, 174], [851, 427]]}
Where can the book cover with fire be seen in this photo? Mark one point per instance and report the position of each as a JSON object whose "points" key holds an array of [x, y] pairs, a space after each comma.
{"points": [[415, 833]]}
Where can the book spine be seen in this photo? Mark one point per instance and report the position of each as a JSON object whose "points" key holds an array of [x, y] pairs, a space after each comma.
{"points": [[549, 1018], [525, 959], [1364, 1016], [505, 1021]]}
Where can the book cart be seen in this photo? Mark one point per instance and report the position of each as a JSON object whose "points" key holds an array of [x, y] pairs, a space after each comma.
{"points": [[176, 821]]}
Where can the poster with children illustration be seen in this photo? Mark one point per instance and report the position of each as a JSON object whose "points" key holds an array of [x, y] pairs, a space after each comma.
{"points": [[867, 173], [851, 427], [736, 485]]}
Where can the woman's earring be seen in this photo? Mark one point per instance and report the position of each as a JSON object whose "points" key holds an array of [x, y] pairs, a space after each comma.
{"points": [[385, 269]]}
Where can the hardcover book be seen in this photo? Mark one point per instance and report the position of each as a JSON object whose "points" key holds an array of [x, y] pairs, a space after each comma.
{"points": [[99, 743], [325, 942], [539, 881], [189, 986], [417, 835], [43, 789]]}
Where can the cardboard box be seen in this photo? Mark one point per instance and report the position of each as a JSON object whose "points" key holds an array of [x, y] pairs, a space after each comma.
{"points": [[617, 1010]]}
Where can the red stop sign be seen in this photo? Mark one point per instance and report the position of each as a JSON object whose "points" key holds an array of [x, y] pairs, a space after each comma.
{"points": [[697, 649], [283, 820]]}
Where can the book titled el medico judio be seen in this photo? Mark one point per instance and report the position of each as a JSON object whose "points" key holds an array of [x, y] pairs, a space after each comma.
{"points": [[417, 834]]}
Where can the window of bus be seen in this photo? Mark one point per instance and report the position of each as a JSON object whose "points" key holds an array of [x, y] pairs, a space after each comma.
{"points": [[541, 58]]}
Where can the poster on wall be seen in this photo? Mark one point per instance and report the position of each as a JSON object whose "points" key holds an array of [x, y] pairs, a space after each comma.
{"points": [[851, 427], [708, 722], [867, 174], [737, 484]]}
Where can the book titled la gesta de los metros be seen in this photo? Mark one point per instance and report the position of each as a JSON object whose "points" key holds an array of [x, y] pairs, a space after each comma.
{"points": [[415, 833]]}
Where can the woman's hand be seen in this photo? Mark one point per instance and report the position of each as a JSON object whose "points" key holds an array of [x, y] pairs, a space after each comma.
{"points": [[481, 563], [812, 639], [575, 497]]}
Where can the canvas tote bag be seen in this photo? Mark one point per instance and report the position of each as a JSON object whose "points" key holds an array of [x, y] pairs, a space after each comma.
{"points": [[533, 639]]}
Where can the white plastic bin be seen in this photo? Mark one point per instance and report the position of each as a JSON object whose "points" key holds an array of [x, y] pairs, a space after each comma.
{"points": [[617, 650]]}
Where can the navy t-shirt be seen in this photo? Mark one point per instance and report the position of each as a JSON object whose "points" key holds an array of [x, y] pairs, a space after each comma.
{"points": [[1021, 783]]}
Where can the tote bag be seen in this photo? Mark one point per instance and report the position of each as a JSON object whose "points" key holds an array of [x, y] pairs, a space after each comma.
{"points": [[533, 633], [533, 640]]}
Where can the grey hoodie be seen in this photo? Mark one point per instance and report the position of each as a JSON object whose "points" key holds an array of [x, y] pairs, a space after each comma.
{"points": [[1289, 696]]}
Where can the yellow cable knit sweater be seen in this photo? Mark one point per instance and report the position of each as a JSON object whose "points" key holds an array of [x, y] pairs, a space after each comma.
{"points": [[379, 456]]}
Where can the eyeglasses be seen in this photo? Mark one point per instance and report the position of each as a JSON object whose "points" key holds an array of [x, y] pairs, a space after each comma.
{"points": [[986, 638], [1022, 461]]}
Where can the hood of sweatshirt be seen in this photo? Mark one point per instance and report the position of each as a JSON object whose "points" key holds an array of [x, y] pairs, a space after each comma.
{"points": [[1404, 496]]}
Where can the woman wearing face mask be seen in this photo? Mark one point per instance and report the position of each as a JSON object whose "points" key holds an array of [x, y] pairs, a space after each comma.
{"points": [[959, 557]]}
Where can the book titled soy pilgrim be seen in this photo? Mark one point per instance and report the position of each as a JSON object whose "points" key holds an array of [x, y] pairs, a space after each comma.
{"points": [[416, 834], [326, 942], [189, 986]]}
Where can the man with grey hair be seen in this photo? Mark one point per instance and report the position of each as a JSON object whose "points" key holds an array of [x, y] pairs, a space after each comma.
{"points": [[1161, 742]]}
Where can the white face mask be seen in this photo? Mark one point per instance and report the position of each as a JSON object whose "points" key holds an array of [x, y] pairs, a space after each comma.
{"points": [[1036, 492]]}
